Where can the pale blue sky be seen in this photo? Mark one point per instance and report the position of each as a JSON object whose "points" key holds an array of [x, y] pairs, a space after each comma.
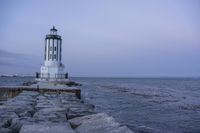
{"points": [[106, 38]]}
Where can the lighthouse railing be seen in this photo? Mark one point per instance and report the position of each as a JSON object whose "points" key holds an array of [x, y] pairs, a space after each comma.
{"points": [[48, 76]]}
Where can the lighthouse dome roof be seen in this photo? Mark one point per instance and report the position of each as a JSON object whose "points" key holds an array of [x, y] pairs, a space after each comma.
{"points": [[53, 29]]}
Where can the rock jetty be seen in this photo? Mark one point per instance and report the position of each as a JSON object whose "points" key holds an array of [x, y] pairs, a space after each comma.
{"points": [[52, 112]]}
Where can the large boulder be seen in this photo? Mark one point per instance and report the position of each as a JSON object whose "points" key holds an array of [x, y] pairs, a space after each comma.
{"points": [[47, 128], [98, 123], [11, 126]]}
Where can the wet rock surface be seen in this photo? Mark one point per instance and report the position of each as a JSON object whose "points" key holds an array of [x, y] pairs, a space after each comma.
{"points": [[31, 111]]}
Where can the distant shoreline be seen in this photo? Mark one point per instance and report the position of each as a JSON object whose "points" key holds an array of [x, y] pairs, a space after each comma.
{"points": [[11, 76]]}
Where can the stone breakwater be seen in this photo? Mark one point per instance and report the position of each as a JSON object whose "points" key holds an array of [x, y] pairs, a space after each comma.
{"points": [[36, 112]]}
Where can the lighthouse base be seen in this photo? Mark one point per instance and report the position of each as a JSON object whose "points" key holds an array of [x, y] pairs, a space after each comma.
{"points": [[52, 80], [52, 73], [48, 77]]}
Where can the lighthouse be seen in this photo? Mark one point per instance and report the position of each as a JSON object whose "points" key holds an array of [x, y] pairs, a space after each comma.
{"points": [[52, 69]]}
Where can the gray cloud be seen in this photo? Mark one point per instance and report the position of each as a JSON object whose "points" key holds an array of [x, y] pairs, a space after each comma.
{"points": [[8, 54], [5, 63]]}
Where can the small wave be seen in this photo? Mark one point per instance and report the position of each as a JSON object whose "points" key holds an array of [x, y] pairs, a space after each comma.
{"points": [[190, 107]]}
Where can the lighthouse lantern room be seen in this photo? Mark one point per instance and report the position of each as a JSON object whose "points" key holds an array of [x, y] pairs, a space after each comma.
{"points": [[52, 69]]}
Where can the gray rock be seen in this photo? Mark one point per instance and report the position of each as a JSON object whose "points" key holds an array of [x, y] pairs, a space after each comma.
{"points": [[11, 126], [122, 129], [51, 117], [27, 120], [42, 105], [69, 96], [5, 116], [53, 109], [15, 126], [77, 113], [28, 113], [43, 113], [98, 123], [5, 130], [47, 128], [40, 97], [78, 110], [22, 104]]}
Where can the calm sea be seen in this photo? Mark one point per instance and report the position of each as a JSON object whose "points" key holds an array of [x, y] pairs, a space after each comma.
{"points": [[145, 105]]}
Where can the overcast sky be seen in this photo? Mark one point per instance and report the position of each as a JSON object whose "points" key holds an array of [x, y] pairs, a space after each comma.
{"points": [[103, 38]]}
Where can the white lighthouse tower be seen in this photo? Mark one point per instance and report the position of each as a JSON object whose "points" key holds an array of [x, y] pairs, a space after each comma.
{"points": [[52, 69]]}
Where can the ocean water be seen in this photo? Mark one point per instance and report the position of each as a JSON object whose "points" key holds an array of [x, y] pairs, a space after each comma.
{"points": [[145, 105]]}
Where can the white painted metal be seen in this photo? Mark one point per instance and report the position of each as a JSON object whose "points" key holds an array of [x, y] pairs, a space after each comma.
{"points": [[52, 69]]}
